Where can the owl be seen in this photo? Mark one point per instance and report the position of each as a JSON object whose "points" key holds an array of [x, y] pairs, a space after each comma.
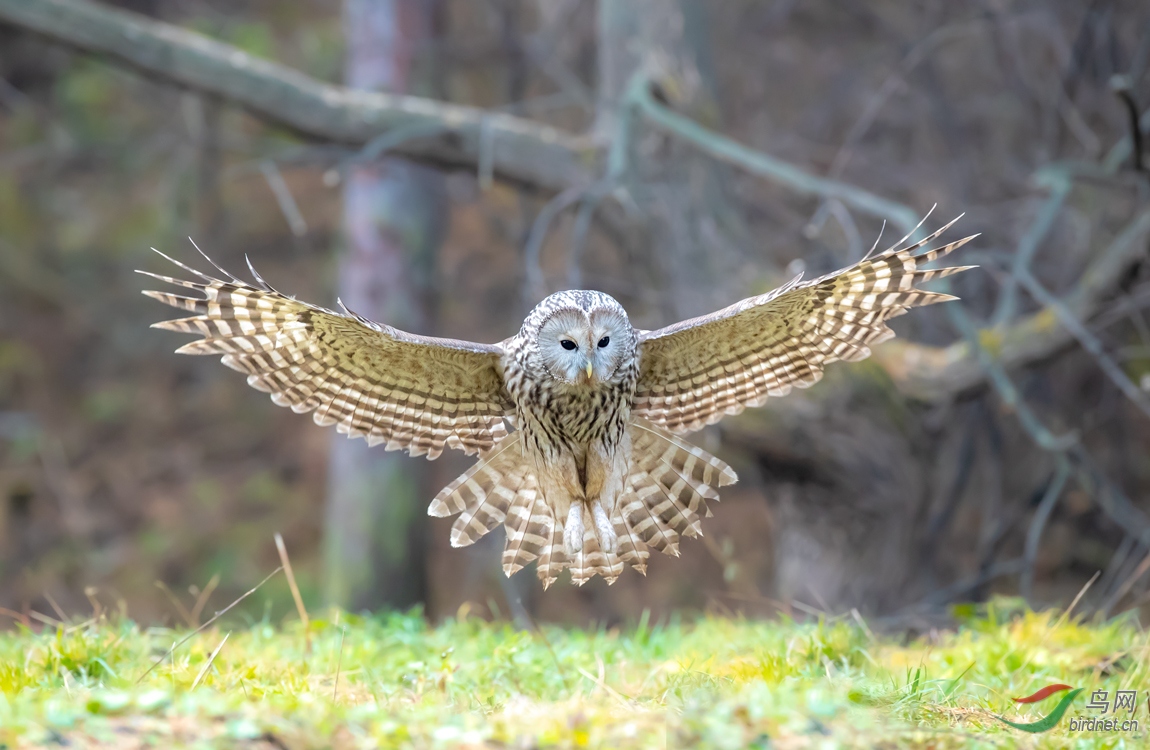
{"points": [[577, 419]]}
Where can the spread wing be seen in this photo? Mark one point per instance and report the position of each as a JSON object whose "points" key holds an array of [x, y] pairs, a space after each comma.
{"points": [[695, 372], [414, 393]]}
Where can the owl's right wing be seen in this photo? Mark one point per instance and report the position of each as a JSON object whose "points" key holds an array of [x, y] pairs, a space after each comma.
{"points": [[693, 373], [409, 392]]}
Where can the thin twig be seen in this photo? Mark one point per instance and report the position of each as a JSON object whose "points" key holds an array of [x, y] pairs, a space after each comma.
{"points": [[392, 139], [536, 630], [533, 248], [1007, 392], [1116, 564], [338, 666], [1004, 568], [55, 607], [97, 609], [1122, 149], [601, 683], [1077, 597], [81, 625], [202, 599], [211, 660], [1038, 524], [217, 616], [288, 207], [1120, 84], [19, 617], [1028, 247], [1114, 503], [581, 229], [38, 616], [1086, 339], [1127, 585], [180, 608], [895, 80], [618, 161], [294, 588]]}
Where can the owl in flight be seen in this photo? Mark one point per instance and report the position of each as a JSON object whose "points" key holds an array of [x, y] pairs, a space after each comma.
{"points": [[595, 473]]}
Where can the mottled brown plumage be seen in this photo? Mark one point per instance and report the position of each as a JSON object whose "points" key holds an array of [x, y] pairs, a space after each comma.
{"points": [[594, 474]]}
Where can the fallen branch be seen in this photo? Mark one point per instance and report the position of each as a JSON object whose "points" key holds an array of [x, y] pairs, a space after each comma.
{"points": [[519, 150]]}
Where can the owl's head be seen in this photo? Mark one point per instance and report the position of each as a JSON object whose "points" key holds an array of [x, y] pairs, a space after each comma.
{"points": [[582, 337]]}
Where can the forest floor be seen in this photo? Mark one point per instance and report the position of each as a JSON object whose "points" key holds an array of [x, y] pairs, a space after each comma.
{"points": [[395, 681]]}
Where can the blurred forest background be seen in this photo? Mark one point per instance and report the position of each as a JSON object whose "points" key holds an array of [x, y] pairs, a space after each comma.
{"points": [[677, 154]]}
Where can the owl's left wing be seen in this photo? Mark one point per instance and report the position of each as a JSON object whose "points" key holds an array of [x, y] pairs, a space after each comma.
{"points": [[693, 373], [409, 392]]}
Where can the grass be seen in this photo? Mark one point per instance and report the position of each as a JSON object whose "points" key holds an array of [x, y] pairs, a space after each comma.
{"points": [[395, 681]]}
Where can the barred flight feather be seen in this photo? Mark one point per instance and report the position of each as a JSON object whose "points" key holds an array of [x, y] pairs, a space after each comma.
{"points": [[406, 392], [694, 373], [530, 529]]}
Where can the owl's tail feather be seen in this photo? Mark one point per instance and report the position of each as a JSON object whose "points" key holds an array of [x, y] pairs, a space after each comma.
{"points": [[667, 490], [531, 533], [591, 560], [552, 559], [483, 494], [501, 488]]}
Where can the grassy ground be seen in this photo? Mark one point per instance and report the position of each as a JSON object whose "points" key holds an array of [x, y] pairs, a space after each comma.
{"points": [[394, 681]]}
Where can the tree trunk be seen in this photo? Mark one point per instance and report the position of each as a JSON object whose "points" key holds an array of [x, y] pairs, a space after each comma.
{"points": [[394, 212], [681, 192]]}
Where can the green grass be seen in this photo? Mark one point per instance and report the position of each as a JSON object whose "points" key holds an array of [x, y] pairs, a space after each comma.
{"points": [[394, 681]]}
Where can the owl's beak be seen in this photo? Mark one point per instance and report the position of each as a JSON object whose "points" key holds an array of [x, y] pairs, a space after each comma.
{"points": [[586, 374]]}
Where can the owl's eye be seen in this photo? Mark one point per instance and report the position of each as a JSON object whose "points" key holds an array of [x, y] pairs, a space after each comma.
{"points": [[604, 341], [568, 344]]}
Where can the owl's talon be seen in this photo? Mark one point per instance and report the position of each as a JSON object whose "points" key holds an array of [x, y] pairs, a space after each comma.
{"points": [[604, 529], [573, 531]]}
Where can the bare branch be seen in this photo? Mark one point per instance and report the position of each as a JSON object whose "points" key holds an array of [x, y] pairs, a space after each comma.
{"points": [[1028, 247], [522, 151], [1120, 84], [756, 162], [1086, 339], [1034, 534]]}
